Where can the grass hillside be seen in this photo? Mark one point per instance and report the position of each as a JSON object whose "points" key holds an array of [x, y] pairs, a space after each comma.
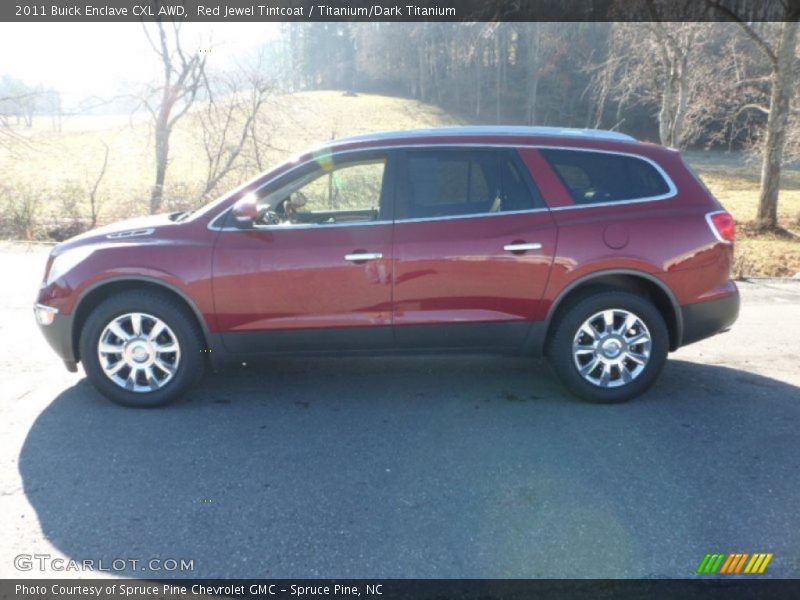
{"points": [[59, 166], [48, 178]]}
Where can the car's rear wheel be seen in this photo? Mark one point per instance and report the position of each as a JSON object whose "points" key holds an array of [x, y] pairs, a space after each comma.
{"points": [[141, 349], [609, 346]]}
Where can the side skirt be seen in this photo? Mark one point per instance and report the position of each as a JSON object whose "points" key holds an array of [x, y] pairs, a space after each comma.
{"points": [[523, 337]]}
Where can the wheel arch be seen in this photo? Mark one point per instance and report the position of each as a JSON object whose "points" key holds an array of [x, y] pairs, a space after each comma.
{"points": [[96, 293], [640, 282]]}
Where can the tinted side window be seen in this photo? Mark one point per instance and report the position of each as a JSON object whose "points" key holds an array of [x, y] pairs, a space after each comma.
{"points": [[519, 191], [453, 182], [328, 192], [596, 177], [350, 187]]}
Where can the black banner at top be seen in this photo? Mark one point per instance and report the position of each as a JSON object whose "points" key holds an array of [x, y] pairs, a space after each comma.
{"points": [[398, 10]]}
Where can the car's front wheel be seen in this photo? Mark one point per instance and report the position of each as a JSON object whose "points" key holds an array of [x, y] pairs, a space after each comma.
{"points": [[141, 349], [609, 346]]}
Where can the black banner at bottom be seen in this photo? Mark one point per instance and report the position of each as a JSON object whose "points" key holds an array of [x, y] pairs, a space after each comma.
{"points": [[392, 589]]}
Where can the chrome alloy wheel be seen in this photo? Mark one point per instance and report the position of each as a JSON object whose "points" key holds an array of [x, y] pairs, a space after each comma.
{"points": [[139, 352], [611, 348]]}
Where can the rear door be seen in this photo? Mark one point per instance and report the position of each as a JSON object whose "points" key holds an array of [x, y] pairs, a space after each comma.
{"points": [[473, 248]]}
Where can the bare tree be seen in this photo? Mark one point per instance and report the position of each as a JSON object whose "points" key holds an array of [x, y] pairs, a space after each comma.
{"points": [[780, 54], [665, 75], [19, 100], [534, 39], [675, 43], [228, 125], [17, 103], [183, 78], [601, 87], [94, 205]]}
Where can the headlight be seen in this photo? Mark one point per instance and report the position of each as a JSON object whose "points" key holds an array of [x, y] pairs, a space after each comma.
{"points": [[66, 261]]}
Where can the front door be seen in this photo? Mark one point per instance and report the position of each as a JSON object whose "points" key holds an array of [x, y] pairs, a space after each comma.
{"points": [[315, 272], [474, 244]]}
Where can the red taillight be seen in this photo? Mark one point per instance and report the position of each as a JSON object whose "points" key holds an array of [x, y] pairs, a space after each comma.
{"points": [[722, 225]]}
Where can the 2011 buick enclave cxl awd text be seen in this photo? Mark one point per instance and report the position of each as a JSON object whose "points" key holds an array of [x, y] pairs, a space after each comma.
{"points": [[598, 251]]}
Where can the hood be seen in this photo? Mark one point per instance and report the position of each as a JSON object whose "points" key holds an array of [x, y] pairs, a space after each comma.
{"points": [[129, 229]]}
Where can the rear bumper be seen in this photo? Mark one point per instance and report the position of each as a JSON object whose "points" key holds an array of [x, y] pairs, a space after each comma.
{"points": [[704, 319]]}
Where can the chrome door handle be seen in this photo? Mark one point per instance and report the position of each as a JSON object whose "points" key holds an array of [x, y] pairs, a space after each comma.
{"points": [[522, 247], [363, 256]]}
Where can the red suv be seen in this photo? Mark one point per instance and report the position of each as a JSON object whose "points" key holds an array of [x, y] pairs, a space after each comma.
{"points": [[598, 251]]}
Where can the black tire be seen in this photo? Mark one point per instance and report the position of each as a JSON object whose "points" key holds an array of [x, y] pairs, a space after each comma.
{"points": [[190, 367], [560, 346]]}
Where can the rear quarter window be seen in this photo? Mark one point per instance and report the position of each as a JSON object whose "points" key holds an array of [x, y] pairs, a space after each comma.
{"points": [[600, 177]]}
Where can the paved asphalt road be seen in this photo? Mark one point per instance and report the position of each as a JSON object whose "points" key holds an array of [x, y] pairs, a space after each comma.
{"points": [[429, 467]]}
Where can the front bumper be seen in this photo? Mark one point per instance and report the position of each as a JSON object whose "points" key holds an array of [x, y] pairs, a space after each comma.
{"points": [[59, 335], [704, 319]]}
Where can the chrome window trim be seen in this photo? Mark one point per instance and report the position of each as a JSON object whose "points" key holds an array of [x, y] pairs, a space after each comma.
{"points": [[615, 203], [399, 221], [667, 179], [298, 226], [472, 216]]}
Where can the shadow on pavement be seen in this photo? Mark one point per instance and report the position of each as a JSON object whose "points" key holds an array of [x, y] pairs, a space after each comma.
{"points": [[424, 467]]}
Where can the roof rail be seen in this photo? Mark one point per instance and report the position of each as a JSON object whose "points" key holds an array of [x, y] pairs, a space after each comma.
{"points": [[491, 130]]}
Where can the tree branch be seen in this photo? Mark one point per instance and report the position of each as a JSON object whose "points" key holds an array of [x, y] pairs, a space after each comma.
{"points": [[751, 33], [752, 106]]}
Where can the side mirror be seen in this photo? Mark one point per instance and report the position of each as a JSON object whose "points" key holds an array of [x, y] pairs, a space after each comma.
{"points": [[245, 211]]}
